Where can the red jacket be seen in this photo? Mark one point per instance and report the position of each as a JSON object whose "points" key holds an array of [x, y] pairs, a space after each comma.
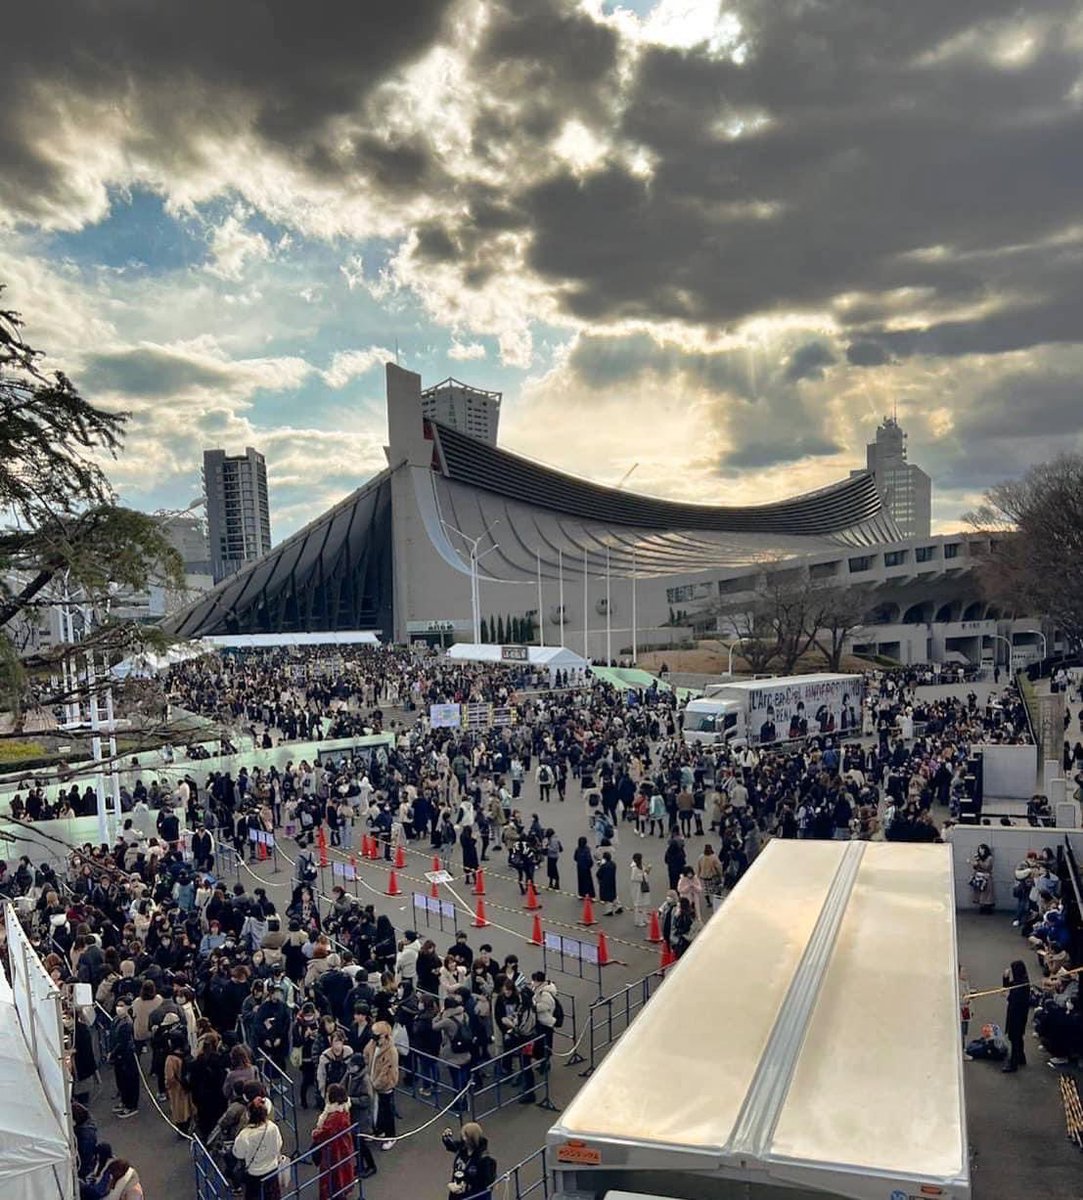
{"points": [[337, 1163]]}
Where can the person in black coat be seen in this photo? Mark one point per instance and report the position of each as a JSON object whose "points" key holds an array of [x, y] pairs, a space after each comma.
{"points": [[676, 860], [474, 1170], [1015, 1022], [584, 870], [607, 884], [470, 853]]}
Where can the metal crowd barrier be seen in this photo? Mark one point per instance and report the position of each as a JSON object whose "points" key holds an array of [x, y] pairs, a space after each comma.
{"points": [[280, 1088], [610, 1016]]}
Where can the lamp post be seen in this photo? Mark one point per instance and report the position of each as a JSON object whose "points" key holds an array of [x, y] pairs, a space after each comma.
{"points": [[1038, 633], [475, 590], [635, 637], [999, 637]]}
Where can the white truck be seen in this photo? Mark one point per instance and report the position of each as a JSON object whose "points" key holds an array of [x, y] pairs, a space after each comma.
{"points": [[760, 712]]}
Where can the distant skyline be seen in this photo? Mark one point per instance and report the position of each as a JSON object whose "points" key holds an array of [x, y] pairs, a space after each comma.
{"points": [[721, 241]]}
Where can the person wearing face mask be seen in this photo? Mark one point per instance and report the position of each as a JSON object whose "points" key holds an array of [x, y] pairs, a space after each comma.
{"points": [[382, 1061], [474, 1170]]}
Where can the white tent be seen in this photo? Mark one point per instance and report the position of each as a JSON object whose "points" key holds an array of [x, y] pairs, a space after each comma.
{"points": [[35, 1158], [543, 658]]}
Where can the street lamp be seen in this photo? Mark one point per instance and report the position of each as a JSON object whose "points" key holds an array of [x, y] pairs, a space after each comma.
{"points": [[475, 558], [1007, 642], [1039, 633]]}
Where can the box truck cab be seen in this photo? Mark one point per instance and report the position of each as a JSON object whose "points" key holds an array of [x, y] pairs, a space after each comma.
{"points": [[710, 721]]}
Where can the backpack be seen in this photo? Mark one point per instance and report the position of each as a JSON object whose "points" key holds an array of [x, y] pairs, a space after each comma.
{"points": [[335, 1071], [462, 1041], [558, 1013]]}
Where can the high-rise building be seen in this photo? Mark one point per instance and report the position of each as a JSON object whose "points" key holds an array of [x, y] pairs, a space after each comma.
{"points": [[905, 488], [470, 410], [238, 514]]}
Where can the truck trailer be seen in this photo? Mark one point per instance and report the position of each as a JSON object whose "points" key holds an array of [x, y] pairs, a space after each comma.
{"points": [[805, 1046], [761, 712]]}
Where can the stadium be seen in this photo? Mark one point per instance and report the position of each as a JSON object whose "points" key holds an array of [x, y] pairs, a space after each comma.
{"points": [[456, 529]]}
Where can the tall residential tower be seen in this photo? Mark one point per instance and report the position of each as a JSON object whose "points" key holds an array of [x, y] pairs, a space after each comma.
{"points": [[238, 514], [458, 405]]}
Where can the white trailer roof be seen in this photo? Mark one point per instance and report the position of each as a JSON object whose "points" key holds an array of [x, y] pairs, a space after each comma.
{"points": [[783, 1049]]}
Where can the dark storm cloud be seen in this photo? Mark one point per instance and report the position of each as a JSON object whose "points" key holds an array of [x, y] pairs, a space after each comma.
{"points": [[181, 71], [868, 151], [778, 452], [809, 362], [1025, 404], [148, 372], [867, 353]]}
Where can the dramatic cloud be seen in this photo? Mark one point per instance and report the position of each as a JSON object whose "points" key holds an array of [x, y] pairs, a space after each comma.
{"points": [[778, 219]]}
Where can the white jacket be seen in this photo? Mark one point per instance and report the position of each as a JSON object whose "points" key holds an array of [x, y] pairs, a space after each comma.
{"points": [[259, 1147], [545, 1005]]}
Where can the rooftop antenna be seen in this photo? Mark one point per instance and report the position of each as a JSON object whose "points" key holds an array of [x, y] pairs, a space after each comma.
{"points": [[624, 477], [397, 352]]}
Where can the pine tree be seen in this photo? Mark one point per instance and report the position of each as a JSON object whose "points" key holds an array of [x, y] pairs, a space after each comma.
{"points": [[500, 630], [484, 630]]}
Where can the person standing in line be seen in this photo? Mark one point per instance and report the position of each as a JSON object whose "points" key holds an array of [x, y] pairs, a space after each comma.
{"points": [[1017, 981], [335, 1145], [125, 1066], [258, 1146], [641, 889], [382, 1060], [553, 850], [709, 870], [584, 870], [607, 884]]}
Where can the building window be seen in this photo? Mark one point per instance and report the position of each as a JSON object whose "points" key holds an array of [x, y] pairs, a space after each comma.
{"points": [[826, 570], [951, 550], [894, 558], [925, 553], [861, 563], [676, 594]]}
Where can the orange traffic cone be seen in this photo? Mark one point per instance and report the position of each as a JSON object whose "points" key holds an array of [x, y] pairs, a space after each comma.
{"points": [[393, 888], [654, 931], [374, 846], [603, 951], [364, 845], [437, 865], [321, 841], [479, 916], [400, 857], [536, 934], [588, 913], [434, 891], [668, 957], [479, 884], [531, 897], [261, 851]]}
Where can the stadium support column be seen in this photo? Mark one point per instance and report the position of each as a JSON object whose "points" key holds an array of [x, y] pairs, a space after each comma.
{"points": [[635, 636], [608, 616], [541, 604], [586, 601], [413, 577], [560, 601]]}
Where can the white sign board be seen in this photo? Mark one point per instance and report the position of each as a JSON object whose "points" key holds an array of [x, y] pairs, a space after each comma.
{"points": [[445, 716]]}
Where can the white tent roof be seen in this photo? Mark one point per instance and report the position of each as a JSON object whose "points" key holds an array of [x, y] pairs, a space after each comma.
{"points": [[550, 657], [781, 1088], [35, 1159], [150, 663]]}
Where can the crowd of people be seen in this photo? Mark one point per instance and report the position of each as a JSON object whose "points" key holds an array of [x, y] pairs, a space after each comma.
{"points": [[200, 980]]}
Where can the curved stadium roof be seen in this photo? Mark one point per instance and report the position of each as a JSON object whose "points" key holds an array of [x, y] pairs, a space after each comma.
{"points": [[336, 572]]}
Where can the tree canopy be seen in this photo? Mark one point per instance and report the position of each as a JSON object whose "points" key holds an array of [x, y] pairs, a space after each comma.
{"points": [[1036, 528]]}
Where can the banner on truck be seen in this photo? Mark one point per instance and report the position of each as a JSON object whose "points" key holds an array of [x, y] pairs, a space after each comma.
{"points": [[795, 710]]}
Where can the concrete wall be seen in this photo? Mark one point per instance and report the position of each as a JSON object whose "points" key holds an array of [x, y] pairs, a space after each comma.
{"points": [[1009, 845], [1008, 772]]}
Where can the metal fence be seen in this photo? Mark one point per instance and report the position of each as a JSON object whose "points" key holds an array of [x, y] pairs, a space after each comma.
{"points": [[281, 1094], [610, 1016]]}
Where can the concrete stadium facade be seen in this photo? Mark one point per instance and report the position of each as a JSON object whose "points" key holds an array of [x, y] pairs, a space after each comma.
{"points": [[604, 569]]}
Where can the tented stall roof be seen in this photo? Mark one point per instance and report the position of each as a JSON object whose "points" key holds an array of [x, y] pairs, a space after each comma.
{"points": [[552, 658], [765, 1061], [35, 1159], [243, 641]]}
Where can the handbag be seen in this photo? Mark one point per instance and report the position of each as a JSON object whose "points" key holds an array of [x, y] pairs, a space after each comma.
{"points": [[284, 1165], [644, 886], [295, 1056]]}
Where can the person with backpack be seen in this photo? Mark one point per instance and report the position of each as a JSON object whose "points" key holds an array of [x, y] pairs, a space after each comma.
{"points": [[332, 1065], [473, 1172], [549, 1013], [457, 1047], [553, 850], [517, 1020]]}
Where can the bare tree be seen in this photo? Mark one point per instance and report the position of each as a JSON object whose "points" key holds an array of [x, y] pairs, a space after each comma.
{"points": [[1036, 527], [841, 611]]}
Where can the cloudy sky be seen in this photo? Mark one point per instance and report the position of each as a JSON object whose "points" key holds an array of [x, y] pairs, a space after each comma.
{"points": [[717, 240]]}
